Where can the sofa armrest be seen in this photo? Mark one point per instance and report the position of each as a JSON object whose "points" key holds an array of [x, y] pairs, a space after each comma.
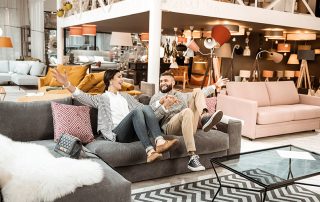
{"points": [[233, 128], [309, 100], [41, 82], [242, 109]]}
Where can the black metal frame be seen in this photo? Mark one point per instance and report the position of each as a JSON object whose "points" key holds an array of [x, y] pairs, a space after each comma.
{"points": [[265, 188]]}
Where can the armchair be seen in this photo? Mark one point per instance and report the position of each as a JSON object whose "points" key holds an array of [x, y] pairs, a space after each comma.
{"points": [[181, 74]]}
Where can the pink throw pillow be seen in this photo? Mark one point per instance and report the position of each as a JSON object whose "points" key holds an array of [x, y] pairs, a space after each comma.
{"points": [[211, 104], [74, 120]]}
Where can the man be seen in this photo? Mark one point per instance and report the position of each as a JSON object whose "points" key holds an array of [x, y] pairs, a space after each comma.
{"points": [[179, 113]]}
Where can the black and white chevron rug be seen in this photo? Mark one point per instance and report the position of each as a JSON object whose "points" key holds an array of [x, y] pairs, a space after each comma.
{"points": [[204, 190]]}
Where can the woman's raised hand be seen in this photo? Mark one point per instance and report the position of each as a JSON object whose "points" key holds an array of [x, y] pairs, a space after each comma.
{"points": [[61, 78]]}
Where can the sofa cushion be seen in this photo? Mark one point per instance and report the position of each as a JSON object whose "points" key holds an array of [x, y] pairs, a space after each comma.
{"points": [[282, 93], [120, 154], [274, 114], [4, 66], [303, 111], [37, 68], [5, 77], [256, 91], [24, 79], [74, 73], [206, 143], [74, 120], [22, 67], [28, 120], [90, 80]]}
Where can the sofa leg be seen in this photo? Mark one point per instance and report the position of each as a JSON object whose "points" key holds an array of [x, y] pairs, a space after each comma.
{"points": [[317, 130]]}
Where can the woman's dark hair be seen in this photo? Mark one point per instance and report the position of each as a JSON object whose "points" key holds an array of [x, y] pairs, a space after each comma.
{"points": [[108, 75]]}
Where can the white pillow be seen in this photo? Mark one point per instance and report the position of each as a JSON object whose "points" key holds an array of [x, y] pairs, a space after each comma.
{"points": [[4, 66], [37, 69], [98, 59], [83, 58], [22, 67]]}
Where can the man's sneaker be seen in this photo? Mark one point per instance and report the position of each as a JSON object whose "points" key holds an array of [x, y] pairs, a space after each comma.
{"points": [[208, 121], [194, 164]]}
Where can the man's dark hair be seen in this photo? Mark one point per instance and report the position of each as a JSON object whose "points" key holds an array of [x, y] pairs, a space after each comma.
{"points": [[167, 73], [108, 75]]}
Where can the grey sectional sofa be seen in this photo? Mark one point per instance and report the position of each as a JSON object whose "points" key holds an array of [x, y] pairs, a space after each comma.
{"points": [[33, 122], [21, 72]]}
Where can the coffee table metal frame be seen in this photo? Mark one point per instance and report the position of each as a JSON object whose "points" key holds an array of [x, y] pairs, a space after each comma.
{"points": [[265, 188]]}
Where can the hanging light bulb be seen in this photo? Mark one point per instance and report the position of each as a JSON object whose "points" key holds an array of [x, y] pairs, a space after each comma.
{"points": [[234, 39]]}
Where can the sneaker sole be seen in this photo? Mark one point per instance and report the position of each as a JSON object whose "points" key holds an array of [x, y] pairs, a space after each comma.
{"points": [[214, 119], [196, 169]]}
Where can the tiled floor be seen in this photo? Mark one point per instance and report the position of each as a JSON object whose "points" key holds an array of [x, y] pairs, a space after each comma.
{"points": [[309, 140]]}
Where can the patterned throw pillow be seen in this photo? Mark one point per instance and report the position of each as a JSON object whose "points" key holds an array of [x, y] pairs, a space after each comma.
{"points": [[74, 120], [211, 104]]}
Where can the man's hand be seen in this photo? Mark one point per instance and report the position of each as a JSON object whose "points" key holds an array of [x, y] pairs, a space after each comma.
{"points": [[221, 82], [168, 100]]}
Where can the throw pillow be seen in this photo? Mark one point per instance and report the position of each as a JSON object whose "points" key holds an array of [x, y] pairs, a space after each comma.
{"points": [[127, 86], [22, 67], [90, 81], [82, 58], [74, 73], [99, 88], [211, 104], [98, 59], [37, 68], [74, 120]]}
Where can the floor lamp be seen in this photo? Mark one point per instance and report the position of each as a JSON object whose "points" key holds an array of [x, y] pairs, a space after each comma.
{"points": [[219, 35], [274, 56], [305, 55]]}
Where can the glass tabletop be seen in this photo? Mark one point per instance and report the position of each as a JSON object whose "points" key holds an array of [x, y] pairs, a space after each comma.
{"points": [[274, 165]]}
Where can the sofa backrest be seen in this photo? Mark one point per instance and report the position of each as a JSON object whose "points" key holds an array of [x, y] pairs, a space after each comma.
{"points": [[282, 93], [4, 66], [256, 91], [28, 121]]}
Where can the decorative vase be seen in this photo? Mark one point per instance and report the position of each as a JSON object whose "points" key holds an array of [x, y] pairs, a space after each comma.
{"points": [[60, 12]]}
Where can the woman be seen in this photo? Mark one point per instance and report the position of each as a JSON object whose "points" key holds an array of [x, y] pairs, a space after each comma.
{"points": [[122, 118]]}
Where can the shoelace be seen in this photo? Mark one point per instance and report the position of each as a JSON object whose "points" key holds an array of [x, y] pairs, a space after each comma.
{"points": [[196, 160]]}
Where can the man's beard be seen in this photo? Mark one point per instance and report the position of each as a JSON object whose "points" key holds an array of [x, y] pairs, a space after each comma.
{"points": [[167, 89]]}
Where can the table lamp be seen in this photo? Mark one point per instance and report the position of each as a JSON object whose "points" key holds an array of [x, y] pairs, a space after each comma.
{"points": [[288, 74]]}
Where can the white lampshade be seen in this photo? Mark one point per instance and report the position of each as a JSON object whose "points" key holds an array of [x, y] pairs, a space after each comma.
{"points": [[224, 51], [289, 74], [121, 39], [247, 51], [293, 59], [174, 65], [245, 73]]}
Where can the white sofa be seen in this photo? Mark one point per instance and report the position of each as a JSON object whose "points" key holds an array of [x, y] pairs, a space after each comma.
{"points": [[21, 72]]}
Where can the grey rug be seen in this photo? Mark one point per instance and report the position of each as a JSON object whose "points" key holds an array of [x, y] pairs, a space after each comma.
{"points": [[204, 190]]}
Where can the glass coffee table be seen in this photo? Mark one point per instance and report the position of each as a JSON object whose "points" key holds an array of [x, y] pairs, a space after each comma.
{"points": [[271, 168]]}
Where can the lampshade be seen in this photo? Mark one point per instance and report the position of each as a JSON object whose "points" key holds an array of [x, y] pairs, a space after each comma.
{"points": [[174, 65], [267, 73], [182, 39], [274, 35], [276, 57], [210, 43], [189, 53], [224, 51], [245, 73], [279, 74], [246, 51], [306, 55], [5, 42], [284, 48], [220, 34], [304, 47], [75, 31], [193, 46], [301, 36], [289, 74], [296, 73], [144, 36], [89, 30], [121, 39], [317, 51], [293, 59]]}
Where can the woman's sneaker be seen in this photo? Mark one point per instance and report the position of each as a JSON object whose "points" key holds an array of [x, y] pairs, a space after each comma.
{"points": [[194, 164]]}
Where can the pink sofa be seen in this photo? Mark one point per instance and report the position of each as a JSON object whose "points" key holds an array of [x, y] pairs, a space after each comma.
{"points": [[270, 108]]}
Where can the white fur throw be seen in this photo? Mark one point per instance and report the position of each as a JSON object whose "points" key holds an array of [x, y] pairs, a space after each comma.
{"points": [[29, 173]]}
